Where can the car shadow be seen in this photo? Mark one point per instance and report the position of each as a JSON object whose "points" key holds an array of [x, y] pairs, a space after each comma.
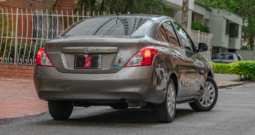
{"points": [[119, 117]]}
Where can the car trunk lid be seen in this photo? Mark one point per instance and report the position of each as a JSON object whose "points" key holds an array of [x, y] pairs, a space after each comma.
{"points": [[101, 54]]}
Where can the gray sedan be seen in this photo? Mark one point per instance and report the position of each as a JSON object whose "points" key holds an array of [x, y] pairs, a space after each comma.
{"points": [[227, 57], [124, 61]]}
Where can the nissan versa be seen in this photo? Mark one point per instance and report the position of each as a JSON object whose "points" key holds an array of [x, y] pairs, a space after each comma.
{"points": [[124, 61]]}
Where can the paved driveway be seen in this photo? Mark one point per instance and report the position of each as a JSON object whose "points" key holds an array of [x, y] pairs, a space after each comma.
{"points": [[18, 98], [233, 115]]}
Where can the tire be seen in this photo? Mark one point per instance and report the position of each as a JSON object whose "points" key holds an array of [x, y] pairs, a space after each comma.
{"points": [[209, 97], [119, 106], [166, 111], [60, 110]]}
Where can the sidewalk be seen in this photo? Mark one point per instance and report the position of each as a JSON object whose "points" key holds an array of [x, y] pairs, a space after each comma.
{"points": [[227, 80], [18, 97]]}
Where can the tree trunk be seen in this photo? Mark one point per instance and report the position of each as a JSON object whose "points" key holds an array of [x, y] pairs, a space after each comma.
{"points": [[185, 13]]}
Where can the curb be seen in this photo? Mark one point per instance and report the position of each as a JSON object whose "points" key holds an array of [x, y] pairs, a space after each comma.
{"points": [[229, 85]]}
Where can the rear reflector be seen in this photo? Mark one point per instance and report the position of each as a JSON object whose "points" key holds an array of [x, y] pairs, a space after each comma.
{"points": [[144, 57], [42, 58]]}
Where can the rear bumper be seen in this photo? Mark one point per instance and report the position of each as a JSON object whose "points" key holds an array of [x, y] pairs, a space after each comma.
{"points": [[133, 83]]}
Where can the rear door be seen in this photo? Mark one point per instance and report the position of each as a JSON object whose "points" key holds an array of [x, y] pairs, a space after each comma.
{"points": [[194, 76], [174, 55]]}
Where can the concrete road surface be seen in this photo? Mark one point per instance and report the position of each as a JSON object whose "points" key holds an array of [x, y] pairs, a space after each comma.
{"points": [[234, 114]]}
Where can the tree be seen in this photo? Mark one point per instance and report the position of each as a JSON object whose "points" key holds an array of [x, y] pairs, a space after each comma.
{"points": [[185, 13], [244, 8], [122, 6]]}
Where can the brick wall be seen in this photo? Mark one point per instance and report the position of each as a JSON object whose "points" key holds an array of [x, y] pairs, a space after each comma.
{"points": [[16, 71], [39, 4]]}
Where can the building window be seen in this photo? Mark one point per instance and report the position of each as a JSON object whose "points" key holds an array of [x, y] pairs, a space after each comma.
{"points": [[233, 30], [227, 27], [193, 17]]}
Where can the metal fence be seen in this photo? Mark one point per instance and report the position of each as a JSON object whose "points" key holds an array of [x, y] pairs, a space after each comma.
{"points": [[23, 32]]}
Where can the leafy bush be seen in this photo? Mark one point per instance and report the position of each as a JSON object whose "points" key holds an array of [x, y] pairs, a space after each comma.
{"points": [[201, 27], [245, 48], [221, 68], [245, 69]]}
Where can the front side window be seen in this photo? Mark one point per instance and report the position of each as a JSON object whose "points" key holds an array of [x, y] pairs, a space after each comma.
{"points": [[222, 56], [185, 39], [110, 26], [216, 57]]}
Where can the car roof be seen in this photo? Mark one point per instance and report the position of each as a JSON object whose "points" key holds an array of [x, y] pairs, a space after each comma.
{"points": [[227, 53], [157, 18]]}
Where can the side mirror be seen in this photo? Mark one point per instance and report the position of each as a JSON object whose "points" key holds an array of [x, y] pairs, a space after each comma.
{"points": [[202, 47]]}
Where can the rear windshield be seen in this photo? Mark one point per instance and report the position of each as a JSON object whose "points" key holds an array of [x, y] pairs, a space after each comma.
{"points": [[110, 26]]}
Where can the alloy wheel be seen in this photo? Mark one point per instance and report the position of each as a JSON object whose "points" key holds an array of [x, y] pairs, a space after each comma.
{"points": [[171, 99], [208, 95]]}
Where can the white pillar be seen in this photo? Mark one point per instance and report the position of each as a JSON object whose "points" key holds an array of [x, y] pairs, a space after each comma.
{"points": [[189, 19]]}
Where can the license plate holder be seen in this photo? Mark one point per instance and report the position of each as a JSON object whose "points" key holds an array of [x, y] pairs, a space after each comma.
{"points": [[88, 62]]}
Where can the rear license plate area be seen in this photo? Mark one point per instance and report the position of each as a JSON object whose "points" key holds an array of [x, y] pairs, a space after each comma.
{"points": [[88, 61]]}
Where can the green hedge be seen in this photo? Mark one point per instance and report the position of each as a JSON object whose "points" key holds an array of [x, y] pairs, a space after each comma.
{"points": [[245, 69]]}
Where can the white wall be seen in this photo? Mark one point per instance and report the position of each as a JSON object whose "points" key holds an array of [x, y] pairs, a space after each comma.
{"points": [[207, 14], [178, 16], [233, 17], [199, 9], [215, 25], [246, 54], [190, 19], [199, 18], [179, 3]]}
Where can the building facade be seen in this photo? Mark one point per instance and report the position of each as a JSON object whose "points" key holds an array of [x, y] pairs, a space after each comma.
{"points": [[226, 28]]}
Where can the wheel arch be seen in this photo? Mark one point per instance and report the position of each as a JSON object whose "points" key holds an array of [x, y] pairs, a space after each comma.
{"points": [[210, 74], [173, 76]]}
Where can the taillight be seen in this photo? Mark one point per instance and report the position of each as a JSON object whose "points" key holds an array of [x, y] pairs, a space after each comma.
{"points": [[144, 57], [42, 58]]}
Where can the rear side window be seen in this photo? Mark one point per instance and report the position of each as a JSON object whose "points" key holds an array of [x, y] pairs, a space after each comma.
{"points": [[111, 26], [169, 33], [228, 57], [239, 57]]}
